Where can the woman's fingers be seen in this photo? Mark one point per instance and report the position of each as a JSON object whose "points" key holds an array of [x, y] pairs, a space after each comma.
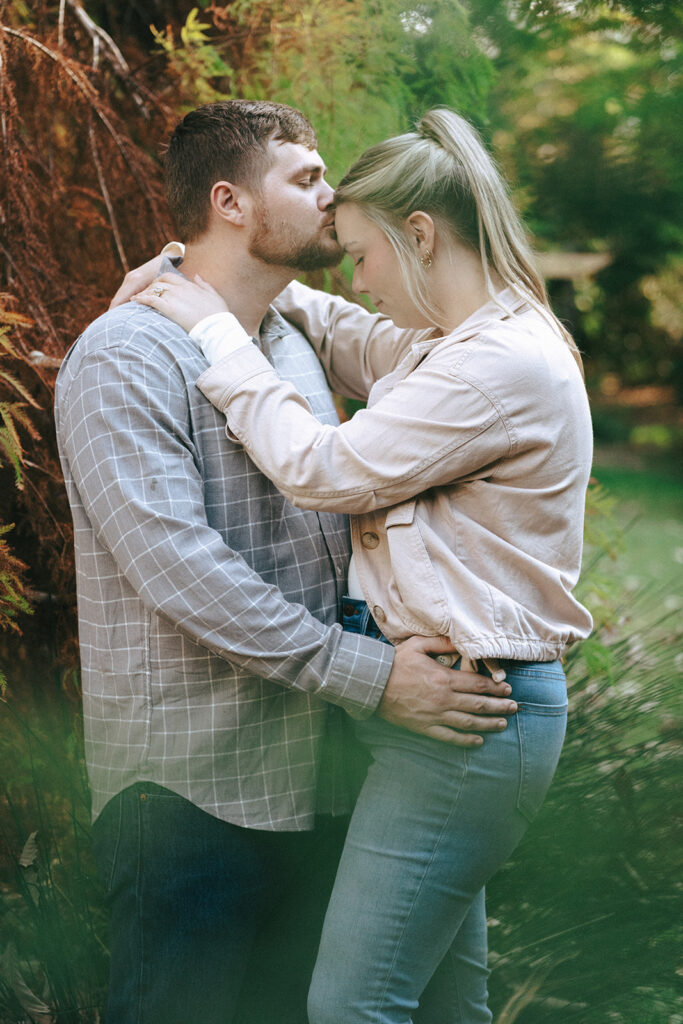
{"points": [[135, 280], [182, 301]]}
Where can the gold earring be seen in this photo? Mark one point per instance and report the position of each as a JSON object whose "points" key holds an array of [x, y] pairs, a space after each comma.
{"points": [[426, 259]]}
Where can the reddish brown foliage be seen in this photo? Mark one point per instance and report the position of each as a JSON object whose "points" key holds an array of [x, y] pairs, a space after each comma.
{"points": [[81, 200]]}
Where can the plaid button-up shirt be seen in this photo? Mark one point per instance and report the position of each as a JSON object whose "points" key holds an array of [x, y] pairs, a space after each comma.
{"points": [[208, 604]]}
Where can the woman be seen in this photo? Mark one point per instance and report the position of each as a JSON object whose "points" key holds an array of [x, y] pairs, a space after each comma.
{"points": [[465, 477]]}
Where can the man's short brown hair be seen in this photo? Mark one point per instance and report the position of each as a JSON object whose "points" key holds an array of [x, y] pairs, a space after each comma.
{"points": [[225, 141]]}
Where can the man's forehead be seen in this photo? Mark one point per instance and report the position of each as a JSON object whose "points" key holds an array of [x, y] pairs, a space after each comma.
{"points": [[292, 156]]}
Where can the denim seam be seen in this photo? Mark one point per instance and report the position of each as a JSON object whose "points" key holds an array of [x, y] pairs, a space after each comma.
{"points": [[115, 855], [522, 767], [138, 903], [382, 1004], [458, 992]]}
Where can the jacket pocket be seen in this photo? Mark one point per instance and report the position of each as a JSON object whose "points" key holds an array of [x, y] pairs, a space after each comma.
{"points": [[422, 603]]}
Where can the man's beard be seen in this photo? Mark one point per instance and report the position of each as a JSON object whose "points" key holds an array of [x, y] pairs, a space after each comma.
{"points": [[272, 243]]}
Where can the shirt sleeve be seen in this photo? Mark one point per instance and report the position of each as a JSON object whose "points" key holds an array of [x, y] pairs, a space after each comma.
{"points": [[126, 435], [433, 428]]}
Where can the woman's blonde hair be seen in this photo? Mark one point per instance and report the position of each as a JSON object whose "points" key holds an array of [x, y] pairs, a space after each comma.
{"points": [[443, 169]]}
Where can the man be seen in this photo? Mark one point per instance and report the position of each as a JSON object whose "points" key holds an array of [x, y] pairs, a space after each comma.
{"points": [[213, 664]]}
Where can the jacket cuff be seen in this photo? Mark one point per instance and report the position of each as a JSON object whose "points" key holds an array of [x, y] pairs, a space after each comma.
{"points": [[222, 379], [219, 335]]}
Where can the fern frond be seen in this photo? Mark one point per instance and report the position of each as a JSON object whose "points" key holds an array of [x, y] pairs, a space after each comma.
{"points": [[11, 381]]}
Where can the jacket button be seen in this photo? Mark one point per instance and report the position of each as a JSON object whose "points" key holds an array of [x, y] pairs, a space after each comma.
{"points": [[378, 614], [369, 540]]}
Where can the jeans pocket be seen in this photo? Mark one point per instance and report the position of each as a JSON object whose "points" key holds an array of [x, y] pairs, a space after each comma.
{"points": [[541, 729]]}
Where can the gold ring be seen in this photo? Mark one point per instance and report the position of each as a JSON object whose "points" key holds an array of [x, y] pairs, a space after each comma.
{"points": [[159, 290]]}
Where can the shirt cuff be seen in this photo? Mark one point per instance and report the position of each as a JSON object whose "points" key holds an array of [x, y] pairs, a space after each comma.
{"points": [[358, 675], [219, 335]]}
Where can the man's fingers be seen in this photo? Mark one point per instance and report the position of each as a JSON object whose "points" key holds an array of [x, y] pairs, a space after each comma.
{"points": [[479, 704], [472, 723], [458, 739], [461, 681]]}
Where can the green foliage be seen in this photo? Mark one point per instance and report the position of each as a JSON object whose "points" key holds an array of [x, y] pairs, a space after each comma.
{"points": [[585, 916], [193, 63], [52, 956], [13, 414], [583, 105], [447, 65], [12, 599], [361, 70], [14, 419]]}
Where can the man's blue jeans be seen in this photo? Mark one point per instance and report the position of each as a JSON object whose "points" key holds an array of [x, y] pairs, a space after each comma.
{"points": [[432, 824], [194, 899]]}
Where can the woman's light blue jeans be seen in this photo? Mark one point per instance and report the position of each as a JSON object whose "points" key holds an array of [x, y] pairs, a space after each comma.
{"points": [[404, 938]]}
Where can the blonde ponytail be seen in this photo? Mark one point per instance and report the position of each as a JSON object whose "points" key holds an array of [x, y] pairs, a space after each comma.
{"points": [[444, 169]]}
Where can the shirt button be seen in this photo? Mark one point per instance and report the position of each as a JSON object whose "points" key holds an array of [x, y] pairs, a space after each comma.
{"points": [[369, 540], [378, 614]]}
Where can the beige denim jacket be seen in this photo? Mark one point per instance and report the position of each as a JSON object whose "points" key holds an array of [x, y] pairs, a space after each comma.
{"points": [[465, 476]]}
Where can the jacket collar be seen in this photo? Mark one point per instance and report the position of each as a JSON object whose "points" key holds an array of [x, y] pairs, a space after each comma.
{"points": [[505, 304]]}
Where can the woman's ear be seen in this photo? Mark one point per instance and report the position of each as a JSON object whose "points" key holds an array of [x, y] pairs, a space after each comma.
{"points": [[420, 227], [229, 202]]}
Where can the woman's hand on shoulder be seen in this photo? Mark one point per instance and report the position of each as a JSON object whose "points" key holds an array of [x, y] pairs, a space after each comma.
{"points": [[138, 278], [185, 302], [135, 280]]}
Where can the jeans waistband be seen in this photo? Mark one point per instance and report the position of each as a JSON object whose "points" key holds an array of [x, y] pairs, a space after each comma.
{"points": [[356, 618]]}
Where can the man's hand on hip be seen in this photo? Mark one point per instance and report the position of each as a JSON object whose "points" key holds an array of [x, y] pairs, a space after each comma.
{"points": [[429, 698]]}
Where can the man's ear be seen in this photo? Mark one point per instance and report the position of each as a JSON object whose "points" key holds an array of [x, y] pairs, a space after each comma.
{"points": [[230, 202]]}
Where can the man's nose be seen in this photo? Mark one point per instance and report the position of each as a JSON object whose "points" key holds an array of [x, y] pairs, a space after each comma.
{"points": [[326, 195]]}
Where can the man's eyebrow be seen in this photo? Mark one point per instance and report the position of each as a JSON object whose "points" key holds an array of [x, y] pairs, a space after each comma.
{"points": [[312, 168]]}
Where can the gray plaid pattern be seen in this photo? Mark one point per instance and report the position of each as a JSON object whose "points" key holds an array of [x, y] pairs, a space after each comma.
{"points": [[208, 604]]}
